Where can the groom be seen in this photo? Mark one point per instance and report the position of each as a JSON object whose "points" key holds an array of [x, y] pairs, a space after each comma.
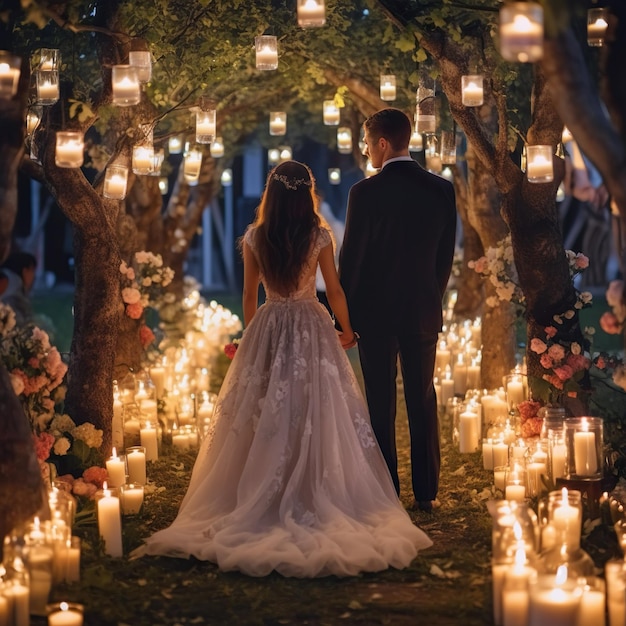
{"points": [[394, 266]]}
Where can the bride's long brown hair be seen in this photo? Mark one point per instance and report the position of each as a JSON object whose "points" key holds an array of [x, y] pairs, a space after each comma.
{"points": [[286, 225]]}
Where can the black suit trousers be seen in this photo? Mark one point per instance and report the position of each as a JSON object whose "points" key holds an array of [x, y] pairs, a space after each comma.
{"points": [[379, 357]]}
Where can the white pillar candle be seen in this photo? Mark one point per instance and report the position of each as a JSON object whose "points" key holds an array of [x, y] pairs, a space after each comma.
{"points": [[110, 523], [499, 477], [468, 431], [498, 572], [73, 560], [592, 610], [40, 572], [180, 440], [473, 376], [116, 470], [534, 471], [117, 425], [515, 391], [566, 519], [149, 441], [585, 453], [488, 454], [615, 591], [18, 597], [136, 462], [554, 604], [149, 408], [515, 491], [157, 374], [500, 451]]}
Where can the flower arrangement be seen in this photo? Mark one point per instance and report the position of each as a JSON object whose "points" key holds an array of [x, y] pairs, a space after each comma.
{"points": [[612, 322], [143, 282], [530, 422], [37, 373], [498, 266]]}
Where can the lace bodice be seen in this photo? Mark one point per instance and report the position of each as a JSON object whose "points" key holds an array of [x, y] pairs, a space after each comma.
{"points": [[306, 282]]}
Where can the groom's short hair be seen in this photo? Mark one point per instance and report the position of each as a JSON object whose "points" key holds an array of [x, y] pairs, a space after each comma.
{"points": [[392, 124]]}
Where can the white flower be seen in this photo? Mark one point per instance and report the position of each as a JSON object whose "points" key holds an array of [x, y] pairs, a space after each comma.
{"points": [[62, 423], [89, 434], [146, 282], [17, 383], [61, 446], [575, 348], [130, 295]]}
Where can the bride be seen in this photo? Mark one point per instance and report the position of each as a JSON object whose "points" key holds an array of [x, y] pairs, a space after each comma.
{"points": [[290, 478]]}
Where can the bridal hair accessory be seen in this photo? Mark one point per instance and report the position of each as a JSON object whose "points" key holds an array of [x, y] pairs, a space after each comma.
{"points": [[291, 183]]}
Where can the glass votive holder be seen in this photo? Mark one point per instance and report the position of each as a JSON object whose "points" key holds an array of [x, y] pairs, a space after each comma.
{"points": [[115, 182], [136, 465], [39, 562], [597, 23], [584, 441], [539, 167], [278, 123], [515, 592], [565, 514], [330, 113], [131, 498], [266, 47], [10, 70], [126, 88], [448, 148], [70, 147], [65, 614], [499, 476], [142, 61], [515, 483], [554, 599], [472, 92], [206, 125], [47, 83], [143, 159], [521, 31], [388, 87], [149, 438]]}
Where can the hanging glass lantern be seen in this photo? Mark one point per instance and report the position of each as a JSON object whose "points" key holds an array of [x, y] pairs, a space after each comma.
{"points": [[159, 157], [334, 175], [206, 125], [344, 140], [175, 144], [331, 113], [539, 164], [388, 87], [143, 152], [141, 60], [125, 85], [115, 182], [273, 156], [521, 31], [416, 144], [33, 117], [448, 147], [432, 154], [192, 164], [70, 147], [472, 92], [311, 13], [10, 67], [47, 82], [266, 47], [47, 59], [278, 123], [425, 105], [217, 148], [597, 23]]}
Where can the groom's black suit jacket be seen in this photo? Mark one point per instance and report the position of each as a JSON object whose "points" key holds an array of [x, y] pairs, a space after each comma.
{"points": [[397, 250]]}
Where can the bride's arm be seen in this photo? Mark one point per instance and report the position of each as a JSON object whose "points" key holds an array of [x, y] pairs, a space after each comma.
{"points": [[251, 275]]}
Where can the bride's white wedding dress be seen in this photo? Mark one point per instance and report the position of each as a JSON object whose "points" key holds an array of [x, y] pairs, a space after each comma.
{"points": [[290, 478]]}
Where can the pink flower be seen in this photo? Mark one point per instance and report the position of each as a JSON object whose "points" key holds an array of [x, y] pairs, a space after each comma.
{"points": [[528, 409], [230, 350], [134, 310], [550, 331], [581, 262], [610, 324], [532, 427], [81, 488], [43, 445], [546, 361], [65, 482], [555, 381], [146, 336], [479, 265], [557, 352], [578, 362], [614, 292], [95, 475], [538, 346], [565, 372]]}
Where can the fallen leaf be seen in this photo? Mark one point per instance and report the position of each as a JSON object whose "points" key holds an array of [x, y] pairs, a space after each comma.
{"points": [[355, 605]]}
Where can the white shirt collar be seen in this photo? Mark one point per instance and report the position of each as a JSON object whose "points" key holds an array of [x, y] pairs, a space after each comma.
{"points": [[399, 158]]}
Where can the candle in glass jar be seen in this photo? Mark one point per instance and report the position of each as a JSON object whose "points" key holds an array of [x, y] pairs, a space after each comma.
{"points": [[149, 440], [9, 78], [311, 13], [132, 499], [47, 90], [18, 600], [126, 88], [69, 149], [65, 616], [521, 31], [540, 168], [472, 92], [278, 123], [331, 113]]}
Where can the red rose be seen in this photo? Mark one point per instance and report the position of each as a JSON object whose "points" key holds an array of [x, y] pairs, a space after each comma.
{"points": [[230, 349], [146, 336], [134, 310]]}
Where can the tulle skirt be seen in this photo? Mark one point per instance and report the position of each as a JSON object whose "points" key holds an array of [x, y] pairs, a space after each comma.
{"points": [[290, 478]]}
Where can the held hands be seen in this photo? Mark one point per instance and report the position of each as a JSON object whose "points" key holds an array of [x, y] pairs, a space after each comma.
{"points": [[348, 340]]}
